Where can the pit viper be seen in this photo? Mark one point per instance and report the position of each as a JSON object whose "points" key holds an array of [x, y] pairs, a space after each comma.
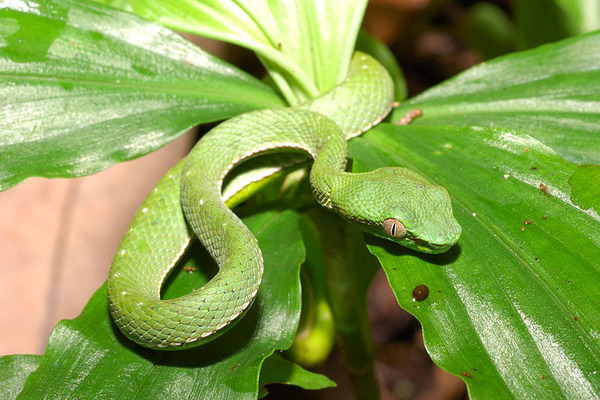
{"points": [[394, 203]]}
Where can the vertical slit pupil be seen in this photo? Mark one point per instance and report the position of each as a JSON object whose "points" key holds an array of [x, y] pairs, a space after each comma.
{"points": [[393, 229]]}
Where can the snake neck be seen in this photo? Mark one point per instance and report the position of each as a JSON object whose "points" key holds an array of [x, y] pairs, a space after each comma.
{"points": [[328, 171]]}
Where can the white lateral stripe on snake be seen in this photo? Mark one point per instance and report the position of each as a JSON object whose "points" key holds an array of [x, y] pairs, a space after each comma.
{"points": [[393, 203]]}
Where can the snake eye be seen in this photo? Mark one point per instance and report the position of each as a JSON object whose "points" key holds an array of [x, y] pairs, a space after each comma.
{"points": [[394, 228]]}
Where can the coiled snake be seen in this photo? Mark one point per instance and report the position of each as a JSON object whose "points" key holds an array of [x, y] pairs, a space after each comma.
{"points": [[394, 203]]}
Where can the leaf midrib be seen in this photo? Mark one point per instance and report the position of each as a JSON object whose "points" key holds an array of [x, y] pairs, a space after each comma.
{"points": [[150, 87]]}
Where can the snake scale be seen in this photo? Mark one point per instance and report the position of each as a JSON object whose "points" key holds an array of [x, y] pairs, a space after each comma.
{"points": [[394, 203]]}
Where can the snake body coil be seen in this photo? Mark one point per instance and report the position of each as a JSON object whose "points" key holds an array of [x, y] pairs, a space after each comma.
{"points": [[394, 203]]}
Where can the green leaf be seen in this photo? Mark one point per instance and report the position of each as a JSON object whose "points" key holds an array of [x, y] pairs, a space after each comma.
{"points": [[120, 4], [84, 86], [89, 357], [277, 369], [513, 308], [305, 46], [489, 30], [544, 21], [551, 93], [14, 370], [315, 337], [585, 187]]}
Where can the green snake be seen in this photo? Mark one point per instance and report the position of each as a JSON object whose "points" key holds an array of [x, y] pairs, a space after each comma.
{"points": [[394, 203]]}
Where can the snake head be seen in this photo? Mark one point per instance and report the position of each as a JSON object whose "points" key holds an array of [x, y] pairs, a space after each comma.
{"points": [[400, 205], [416, 213]]}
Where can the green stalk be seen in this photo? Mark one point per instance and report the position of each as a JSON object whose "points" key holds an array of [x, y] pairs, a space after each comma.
{"points": [[350, 268]]}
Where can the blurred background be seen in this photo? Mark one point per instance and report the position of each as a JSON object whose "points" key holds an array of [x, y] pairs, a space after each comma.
{"points": [[59, 236]]}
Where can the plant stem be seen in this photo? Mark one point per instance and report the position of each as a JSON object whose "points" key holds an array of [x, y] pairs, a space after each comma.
{"points": [[350, 270]]}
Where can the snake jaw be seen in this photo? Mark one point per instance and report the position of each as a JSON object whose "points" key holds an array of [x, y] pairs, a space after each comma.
{"points": [[430, 248]]}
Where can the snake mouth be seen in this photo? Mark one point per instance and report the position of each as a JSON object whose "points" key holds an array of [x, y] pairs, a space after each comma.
{"points": [[428, 247]]}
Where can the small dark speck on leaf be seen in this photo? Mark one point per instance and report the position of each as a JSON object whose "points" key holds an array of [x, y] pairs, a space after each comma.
{"points": [[544, 217], [233, 368], [569, 282], [545, 189], [467, 374], [395, 269], [189, 269], [533, 168], [575, 318], [522, 228], [537, 259], [543, 376], [526, 148], [528, 222], [420, 293]]}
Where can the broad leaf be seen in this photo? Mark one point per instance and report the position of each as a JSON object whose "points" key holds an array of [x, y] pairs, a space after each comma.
{"points": [[14, 370], [513, 308], [120, 4], [84, 86], [551, 93], [305, 45], [489, 30], [585, 187], [277, 369], [88, 355], [545, 21]]}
